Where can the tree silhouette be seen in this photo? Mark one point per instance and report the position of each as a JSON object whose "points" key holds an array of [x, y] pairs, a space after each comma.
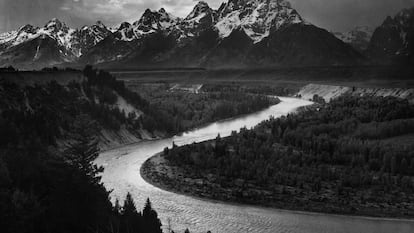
{"points": [[150, 218], [83, 150]]}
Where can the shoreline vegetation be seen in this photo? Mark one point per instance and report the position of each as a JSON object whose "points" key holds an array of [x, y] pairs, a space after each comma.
{"points": [[157, 172], [377, 184]]}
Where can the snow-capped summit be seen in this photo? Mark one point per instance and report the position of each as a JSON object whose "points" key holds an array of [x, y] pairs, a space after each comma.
{"points": [[256, 17], [13, 38], [88, 36], [28, 29], [152, 21], [55, 25], [199, 11], [125, 32], [56, 42], [199, 19]]}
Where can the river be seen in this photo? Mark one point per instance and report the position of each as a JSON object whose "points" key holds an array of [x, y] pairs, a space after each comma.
{"points": [[122, 175]]}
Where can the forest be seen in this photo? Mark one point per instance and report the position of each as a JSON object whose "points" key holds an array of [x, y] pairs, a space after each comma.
{"points": [[181, 111], [47, 190], [353, 155], [49, 187]]}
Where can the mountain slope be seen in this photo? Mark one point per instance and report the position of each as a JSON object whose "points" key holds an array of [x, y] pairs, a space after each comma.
{"points": [[393, 41], [304, 45], [358, 38]]}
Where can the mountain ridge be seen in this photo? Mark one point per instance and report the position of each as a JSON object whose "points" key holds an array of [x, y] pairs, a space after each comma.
{"points": [[159, 39]]}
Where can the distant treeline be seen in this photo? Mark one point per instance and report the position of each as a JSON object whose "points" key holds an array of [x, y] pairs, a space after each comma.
{"points": [[180, 111]]}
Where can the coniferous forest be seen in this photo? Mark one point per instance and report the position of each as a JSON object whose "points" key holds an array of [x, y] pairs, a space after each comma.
{"points": [[353, 155], [45, 187], [44, 190]]}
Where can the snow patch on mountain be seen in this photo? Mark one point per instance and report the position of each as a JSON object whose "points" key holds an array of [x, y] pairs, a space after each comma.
{"points": [[7, 36], [256, 17], [74, 41], [228, 24]]}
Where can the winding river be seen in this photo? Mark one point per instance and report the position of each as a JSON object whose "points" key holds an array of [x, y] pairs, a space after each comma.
{"points": [[122, 175]]}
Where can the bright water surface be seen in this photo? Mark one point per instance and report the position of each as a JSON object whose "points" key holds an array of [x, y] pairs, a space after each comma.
{"points": [[122, 175]]}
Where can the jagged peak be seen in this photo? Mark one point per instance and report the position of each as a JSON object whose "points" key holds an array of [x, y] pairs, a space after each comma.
{"points": [[56, 25], [162, 10], [200, 8], [55, 22], [124, 25], [28, 28], [151, 19], [100, 24], [258, 18], [147, 11], [202, 4]]}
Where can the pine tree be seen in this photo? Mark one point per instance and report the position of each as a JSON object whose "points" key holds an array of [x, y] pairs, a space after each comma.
{"points": [[129, 208], [130, 217], [83, 148], [151, 222]]}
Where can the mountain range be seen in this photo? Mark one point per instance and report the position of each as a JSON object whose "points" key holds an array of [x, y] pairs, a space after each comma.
{"points": [[240, 33]]}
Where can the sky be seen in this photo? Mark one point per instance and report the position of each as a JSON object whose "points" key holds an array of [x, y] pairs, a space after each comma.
{"points": [[333, 15]]}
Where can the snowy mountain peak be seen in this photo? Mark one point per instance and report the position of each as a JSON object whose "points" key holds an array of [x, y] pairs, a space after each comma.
{"points": [[200, 18], [257, 17], [162, 11], [124, 25], [100, 24], [28, 29], [199, 10], [55, 25], [152, 21]]}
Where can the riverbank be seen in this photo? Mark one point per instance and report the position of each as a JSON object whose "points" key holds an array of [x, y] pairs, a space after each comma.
{"points": [[162, 174], [122, 175]]}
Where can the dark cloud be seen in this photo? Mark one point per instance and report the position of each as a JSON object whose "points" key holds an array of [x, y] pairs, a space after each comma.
{"points": [[343, 15], [337, 15]]}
